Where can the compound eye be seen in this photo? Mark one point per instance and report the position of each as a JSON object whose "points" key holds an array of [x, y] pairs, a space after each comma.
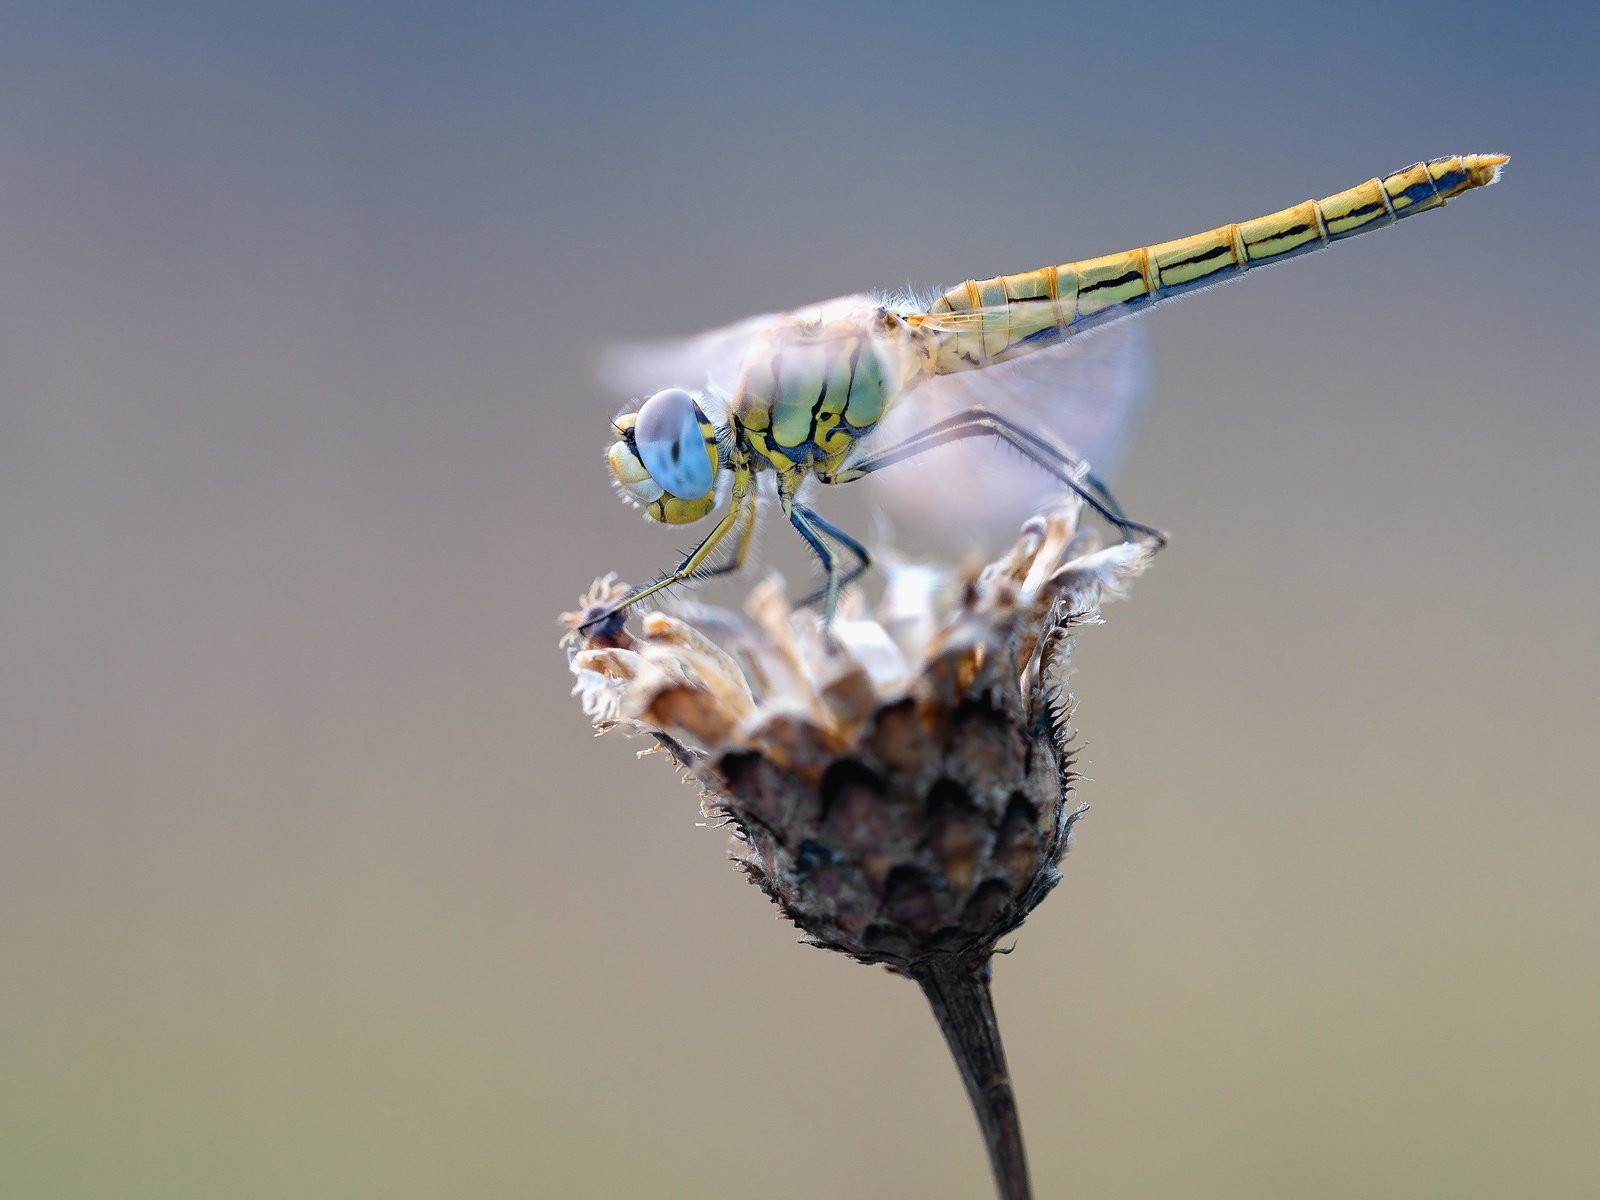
{"points": [[672, 446]]}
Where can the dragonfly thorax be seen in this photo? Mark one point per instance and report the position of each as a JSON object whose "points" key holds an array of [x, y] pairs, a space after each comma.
{"points": [[808, 392]]}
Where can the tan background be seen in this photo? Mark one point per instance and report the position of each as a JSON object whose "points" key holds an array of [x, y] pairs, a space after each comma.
{"points": [[313, 883]]}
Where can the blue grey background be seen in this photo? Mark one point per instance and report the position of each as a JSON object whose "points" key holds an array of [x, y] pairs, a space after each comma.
{"points": [[313, 882]]}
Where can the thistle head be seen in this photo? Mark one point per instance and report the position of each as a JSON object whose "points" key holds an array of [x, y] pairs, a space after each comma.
{"points": [[898, 782]]}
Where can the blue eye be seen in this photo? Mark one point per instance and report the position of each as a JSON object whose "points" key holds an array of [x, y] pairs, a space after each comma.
{"points": [[671, 446]]}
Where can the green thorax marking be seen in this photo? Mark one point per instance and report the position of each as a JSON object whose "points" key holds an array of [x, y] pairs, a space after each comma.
{"points": [[805, 401]]}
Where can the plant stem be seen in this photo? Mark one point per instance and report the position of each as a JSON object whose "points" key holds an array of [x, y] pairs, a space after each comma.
{"points": [[958, 990]]}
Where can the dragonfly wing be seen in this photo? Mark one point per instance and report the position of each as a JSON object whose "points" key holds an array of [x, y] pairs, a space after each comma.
{"points": [[1085, 394], [709, 362]]}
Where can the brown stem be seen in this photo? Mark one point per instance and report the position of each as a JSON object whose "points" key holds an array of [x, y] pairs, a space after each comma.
{"points": [[958, 990]]}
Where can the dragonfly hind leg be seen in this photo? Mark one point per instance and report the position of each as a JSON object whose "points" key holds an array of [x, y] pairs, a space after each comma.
{"points": [[1043, 453]]}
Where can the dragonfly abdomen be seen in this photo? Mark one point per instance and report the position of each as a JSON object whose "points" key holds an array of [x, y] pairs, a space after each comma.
{"points": [[1039, 308]]}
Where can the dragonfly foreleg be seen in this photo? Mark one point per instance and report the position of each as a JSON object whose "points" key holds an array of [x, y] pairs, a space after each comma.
{"points": [[817, 530], [741, 548], [1043, 453], [693, 565]]}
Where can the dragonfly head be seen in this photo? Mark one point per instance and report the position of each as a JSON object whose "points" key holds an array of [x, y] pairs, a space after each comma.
{"points": [[665, 458]]}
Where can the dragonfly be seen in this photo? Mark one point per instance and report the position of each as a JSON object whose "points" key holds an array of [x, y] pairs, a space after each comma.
{"points": [[800, 394]]}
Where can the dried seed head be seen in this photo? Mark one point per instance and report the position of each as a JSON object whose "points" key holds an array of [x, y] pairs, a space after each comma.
{"points": [[897, 782]]}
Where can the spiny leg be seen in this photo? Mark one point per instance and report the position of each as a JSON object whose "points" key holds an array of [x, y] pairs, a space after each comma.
{"points": [[821, 527], [690, 566], [980, 422], [741, 548]]}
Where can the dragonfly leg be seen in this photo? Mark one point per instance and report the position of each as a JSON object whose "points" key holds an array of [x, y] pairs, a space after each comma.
{"points": [[741, 548], [817, 530], [1091, 480], [744, 507], [1043, 453]]}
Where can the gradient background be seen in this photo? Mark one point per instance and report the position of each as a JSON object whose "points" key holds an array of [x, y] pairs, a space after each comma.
{"points": [[312, 882]]}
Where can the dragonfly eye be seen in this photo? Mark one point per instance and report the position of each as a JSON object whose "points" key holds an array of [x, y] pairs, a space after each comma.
{"points": [[675, 444]]}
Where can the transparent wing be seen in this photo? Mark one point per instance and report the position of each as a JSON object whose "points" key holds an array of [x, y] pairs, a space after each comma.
{"points": [[709, 362], [1085, 393], [1028, 324]]}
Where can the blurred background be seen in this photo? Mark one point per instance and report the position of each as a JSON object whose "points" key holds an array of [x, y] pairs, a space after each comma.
{"points": [[312, 880]]}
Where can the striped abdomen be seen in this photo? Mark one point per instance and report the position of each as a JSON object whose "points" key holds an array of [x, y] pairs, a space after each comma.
{"points": [[1040, 308]]}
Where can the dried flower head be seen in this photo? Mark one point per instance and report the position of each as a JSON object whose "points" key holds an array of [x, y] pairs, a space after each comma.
{"points": [[897, 782]]}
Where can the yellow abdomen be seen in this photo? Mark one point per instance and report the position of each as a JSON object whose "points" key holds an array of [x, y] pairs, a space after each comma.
{"points": [[1039, 308]]}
